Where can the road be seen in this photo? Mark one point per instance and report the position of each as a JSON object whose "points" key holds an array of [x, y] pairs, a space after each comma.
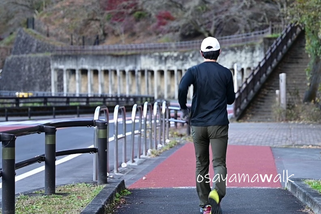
{"points": [[71, 168]]}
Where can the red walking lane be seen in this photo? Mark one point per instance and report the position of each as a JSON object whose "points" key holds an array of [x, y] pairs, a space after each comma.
{"points": [[248, 166]]}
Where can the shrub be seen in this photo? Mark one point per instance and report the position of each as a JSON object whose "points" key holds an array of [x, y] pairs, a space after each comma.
{"points": [[304, 112]]}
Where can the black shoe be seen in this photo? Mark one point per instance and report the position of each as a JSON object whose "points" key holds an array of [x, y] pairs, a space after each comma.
{"points": [[214, 200]]}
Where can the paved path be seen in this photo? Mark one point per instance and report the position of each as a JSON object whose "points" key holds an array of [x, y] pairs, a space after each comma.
{"points": [[248, 166], [274, 134], [266, 152]]}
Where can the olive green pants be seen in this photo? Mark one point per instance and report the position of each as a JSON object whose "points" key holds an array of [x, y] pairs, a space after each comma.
{"points": [[217, 136]]}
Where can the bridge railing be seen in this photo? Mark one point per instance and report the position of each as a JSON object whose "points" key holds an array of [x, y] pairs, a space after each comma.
{"points": [[256, 79], [170, 46], [160, 121]]}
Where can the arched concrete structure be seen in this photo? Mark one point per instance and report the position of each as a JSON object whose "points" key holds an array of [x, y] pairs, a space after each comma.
{"points": [[156, 74]]}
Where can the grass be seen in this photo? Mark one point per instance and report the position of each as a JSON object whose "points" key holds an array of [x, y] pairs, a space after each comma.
{"points": [[71, 198], [309, 113], [8, 41], [314, 184], [157, 152], [176, 138], [119, 199]]}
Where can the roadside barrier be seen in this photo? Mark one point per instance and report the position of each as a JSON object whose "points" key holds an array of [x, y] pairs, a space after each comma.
{"points": [[152, 132]]}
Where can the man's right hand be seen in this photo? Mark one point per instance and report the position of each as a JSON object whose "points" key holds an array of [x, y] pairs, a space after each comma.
{"points": [[185, 114]]}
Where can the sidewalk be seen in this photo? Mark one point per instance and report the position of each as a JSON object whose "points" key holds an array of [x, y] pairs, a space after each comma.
{"points": [[266, 153]]}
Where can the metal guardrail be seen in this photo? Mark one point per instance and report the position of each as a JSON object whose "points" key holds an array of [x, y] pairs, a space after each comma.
{"points": [[160, 120], [256, 79], [56, 105], [12, 101]]}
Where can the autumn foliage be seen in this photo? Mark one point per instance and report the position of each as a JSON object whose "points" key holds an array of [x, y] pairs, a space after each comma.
{"points": [[119, 9], [163, 17]]}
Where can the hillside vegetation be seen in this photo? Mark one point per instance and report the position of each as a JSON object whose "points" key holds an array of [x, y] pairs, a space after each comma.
{"points": [[139, 21]]}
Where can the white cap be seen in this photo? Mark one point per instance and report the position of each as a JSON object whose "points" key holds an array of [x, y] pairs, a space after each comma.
{"points": [[210, 44]]}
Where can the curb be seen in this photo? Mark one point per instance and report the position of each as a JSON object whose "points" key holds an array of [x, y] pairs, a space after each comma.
{"points": [[305, 194], [106, 196]]}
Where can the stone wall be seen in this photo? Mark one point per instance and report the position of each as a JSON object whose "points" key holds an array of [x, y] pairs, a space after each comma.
{"points": [[28, 66], [26, 73], [27, 44]]}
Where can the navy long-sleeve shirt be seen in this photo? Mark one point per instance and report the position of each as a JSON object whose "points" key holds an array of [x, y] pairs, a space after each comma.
{"points": [[213, 89]]}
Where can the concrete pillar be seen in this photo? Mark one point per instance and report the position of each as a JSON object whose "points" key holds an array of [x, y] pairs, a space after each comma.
{"points": [[165, 84], [138, 82], [65, 80], [100, 81], [235, 78], [176, 83], [111, 81], [106, 81], [53, 82], [119, 83], [128, 81], [78, 82], [156, 84], [147, 82], [90, 81]]}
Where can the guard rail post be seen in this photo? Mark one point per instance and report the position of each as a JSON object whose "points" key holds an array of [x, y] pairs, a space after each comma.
{"points": [[29, 113], [50, 159], [53, 112], [155, 110], [78, 111], [133, 133], [151, 124], [175, 117], [159, 113], [124, 135], [6, 114], [168, 124], [145, 110], [101, 137], [118, 137], [8, 172], [140, 132], [164, 121], [97, 112]]}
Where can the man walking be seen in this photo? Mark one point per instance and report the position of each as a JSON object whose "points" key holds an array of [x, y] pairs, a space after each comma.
{"points": [[212, 90]]}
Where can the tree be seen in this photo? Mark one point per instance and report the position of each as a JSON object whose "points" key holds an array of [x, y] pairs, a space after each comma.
{"points": [[307, 14], [119, 16], [216, 18], [14, 13]]}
